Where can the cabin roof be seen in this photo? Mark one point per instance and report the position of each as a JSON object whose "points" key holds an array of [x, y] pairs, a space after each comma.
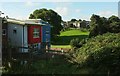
{"points": [[27, 22]]}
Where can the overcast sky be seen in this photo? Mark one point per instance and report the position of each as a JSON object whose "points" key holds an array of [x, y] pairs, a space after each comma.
{"points": [[68, 10]]}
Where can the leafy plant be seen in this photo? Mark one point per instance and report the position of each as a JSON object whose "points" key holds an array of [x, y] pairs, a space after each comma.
{"points": [[102, 51]]}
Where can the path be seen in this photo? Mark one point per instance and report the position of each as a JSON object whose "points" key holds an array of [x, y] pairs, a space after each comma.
{"points": [[60, 49]]}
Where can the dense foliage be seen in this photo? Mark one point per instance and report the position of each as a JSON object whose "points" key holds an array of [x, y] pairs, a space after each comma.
{"points": [[100, 25], [73, 20], [77, 43], [51, 17], [101, 53]]}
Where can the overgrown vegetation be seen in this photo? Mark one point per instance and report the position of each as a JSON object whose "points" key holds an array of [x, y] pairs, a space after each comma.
{"points": [[56, 65], [77, 43], [101, 53]]}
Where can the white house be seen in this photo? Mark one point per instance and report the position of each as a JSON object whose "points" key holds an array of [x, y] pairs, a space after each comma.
{"points": [[76, 24]]}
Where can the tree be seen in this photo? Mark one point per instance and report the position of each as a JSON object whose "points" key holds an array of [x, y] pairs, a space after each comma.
{"points": [[83, 24], [49, 16], [94, 20], [113, 19], [73, 20], [95, 25], [31, 16], [114, 24], [101, 25], [98, 25], [80, 20]]}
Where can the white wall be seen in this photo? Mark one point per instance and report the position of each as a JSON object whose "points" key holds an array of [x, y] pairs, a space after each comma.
{"points": [[17, 39], [25, 41]]}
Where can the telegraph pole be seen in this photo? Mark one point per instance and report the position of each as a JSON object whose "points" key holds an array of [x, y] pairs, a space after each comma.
{"points": [[1, 40]]}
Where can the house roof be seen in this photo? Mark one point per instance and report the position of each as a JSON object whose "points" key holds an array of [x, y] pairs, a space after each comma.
{"points": [[27, 22]]}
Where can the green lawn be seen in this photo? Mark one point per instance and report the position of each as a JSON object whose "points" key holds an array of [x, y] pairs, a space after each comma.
{"points": [[65, 37], [61, 46], [73, 32]]}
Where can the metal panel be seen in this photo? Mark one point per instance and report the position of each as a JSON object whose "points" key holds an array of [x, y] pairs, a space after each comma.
{"points": [[46, 33], [25, 38], [15, 36]]}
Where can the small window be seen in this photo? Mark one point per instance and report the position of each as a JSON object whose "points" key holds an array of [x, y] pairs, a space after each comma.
{"points": [[47, 30], [47, 35], [14, 31], [36, 33], [4, 32]]}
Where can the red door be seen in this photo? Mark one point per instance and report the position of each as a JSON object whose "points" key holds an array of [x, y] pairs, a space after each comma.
{"points": [[34, 34]]}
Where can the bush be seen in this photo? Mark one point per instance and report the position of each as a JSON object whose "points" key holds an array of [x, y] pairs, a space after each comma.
{"points": [[75, 43], [102, 51], [84, 29]]}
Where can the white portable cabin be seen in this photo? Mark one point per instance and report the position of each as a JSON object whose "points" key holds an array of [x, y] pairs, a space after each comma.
{"points": [[17, 34]]}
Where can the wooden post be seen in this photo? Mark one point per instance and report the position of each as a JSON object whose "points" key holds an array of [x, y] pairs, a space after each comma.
{"points": [[0, 41]]}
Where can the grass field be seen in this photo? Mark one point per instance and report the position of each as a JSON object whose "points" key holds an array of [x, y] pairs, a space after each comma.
{"points": [[65, 37]]}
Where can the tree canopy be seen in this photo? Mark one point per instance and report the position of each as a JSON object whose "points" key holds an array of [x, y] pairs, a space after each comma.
{"points": [[101, 25], [49, 16], [73, 20]]}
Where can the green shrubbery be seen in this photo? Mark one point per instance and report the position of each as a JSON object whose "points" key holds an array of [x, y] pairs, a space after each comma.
{"points": [[101, 53], [84, 29], [100, 25], [76, 43]]}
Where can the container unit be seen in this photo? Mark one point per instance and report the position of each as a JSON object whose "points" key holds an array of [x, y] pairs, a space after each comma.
{"points": [[17, 36], [26, 34], [34, 37], [46, 37], [35, 34]]}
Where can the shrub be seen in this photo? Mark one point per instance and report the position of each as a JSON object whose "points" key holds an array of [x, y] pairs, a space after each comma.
{"points": [[102, 51], [84, 29], [75, 42]]}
